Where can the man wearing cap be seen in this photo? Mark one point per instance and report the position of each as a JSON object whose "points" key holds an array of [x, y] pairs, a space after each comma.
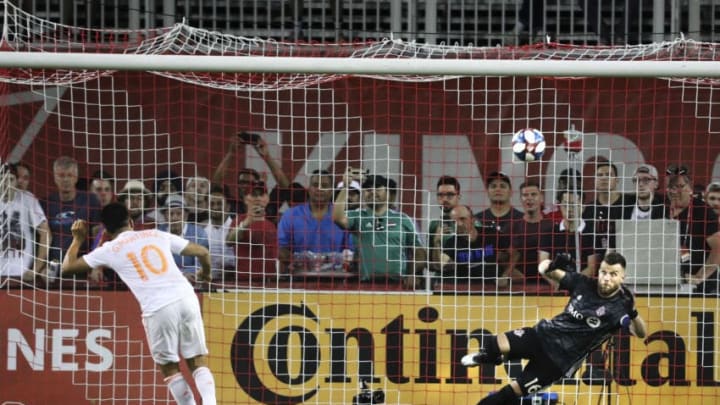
{"points": [[176, 215], [309, 228], [388, 243], [699, 236], [166, 182], [66, 205], [21, 218], [353, 194], [254, 236], [648, 205], [138, 200]]}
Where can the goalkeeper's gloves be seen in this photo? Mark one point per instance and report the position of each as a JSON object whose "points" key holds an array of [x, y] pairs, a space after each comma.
{"points": [[630, 297], [627, 319], [563, 261]]}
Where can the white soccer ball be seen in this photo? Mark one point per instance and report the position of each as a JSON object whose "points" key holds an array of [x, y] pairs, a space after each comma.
{"points": [[528, 144]]}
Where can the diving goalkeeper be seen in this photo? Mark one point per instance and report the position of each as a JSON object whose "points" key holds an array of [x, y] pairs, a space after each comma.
{"points": [[555, 348]]}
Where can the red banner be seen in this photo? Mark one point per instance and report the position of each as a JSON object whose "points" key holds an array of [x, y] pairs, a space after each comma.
{"points": [[147, 120], [74, 347]]}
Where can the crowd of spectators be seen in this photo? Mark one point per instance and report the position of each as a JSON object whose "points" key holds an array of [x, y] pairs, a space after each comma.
{"points": [[352, 229]]}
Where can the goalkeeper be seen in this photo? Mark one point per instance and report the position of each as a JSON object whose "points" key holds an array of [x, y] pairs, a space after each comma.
{"points": [[555, 348]]}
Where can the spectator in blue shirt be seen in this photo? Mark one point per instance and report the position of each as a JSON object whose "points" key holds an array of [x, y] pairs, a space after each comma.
{"points": [[177, 224], [309, 227], [67, 204]]}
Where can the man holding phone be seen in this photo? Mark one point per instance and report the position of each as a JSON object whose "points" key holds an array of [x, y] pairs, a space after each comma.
{"points": [[284, 192]]}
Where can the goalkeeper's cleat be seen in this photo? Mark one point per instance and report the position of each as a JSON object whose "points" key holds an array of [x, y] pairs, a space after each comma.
{"points": [[471, 360], [475, 359]]}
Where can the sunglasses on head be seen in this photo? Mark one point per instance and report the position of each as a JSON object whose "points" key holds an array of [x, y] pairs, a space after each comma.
{"points": [[676, 170]]}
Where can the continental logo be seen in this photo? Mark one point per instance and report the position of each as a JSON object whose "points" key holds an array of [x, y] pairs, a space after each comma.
{"points": [[285, 354]]}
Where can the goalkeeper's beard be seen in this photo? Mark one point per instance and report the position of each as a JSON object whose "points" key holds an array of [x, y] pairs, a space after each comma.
{"points": [[607, 290]]}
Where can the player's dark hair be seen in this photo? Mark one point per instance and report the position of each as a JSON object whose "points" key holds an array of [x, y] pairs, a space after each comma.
{"points": [[450, 181], [613, 258], [114, 216]]}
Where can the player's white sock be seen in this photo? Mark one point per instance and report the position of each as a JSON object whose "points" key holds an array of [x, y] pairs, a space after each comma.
{"points": [[180, 390], [205, 384]]}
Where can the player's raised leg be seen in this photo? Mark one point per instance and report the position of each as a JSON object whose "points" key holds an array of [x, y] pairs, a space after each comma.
{"points": [[493, 350], [509, 394]]}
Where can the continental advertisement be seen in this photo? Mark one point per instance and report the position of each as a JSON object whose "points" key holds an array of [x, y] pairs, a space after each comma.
{"points": [[316, 348], [320, 347]]}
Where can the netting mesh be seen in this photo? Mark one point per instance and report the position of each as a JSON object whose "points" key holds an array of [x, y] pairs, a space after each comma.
{"points": [[308, 327]]}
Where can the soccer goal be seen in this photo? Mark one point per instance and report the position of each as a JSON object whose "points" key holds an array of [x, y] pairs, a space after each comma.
{"points": [[318, 327]]}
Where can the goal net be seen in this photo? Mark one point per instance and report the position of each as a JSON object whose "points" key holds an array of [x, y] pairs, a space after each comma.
{"points": [[395, 304]]}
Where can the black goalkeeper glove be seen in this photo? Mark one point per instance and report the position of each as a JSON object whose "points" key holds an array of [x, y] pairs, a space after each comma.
{"points": [[630, 296], [632, 312], [563, 261]]}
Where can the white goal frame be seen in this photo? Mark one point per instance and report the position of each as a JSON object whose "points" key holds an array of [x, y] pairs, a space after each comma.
{"points": [[360, 66]]}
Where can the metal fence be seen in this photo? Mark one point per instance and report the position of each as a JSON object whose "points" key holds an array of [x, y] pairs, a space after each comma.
{"points": [[479, 22]]}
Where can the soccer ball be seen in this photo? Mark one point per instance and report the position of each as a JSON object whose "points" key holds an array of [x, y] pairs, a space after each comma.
{"points": [[528, 144]]}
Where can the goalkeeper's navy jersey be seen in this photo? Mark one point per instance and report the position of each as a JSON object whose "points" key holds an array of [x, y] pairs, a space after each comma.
{"points": [[587, 321]]}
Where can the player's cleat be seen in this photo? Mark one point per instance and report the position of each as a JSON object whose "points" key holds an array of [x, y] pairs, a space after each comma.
{"points": [[475, 359], [471, 360]]}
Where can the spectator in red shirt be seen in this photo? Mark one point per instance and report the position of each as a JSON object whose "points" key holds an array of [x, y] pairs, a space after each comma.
{"points": [[254, 236]]}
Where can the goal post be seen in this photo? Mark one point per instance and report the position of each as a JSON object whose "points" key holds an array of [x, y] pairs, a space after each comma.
{"points": [[420, 66], [183, 107]]}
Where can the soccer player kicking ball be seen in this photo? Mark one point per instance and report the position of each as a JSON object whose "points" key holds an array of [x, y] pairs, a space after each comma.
{"points": [[170, 309], [555, 348]]}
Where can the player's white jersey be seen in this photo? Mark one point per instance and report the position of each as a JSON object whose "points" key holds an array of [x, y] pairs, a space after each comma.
{"points": [[18, 220], [144, 261]]}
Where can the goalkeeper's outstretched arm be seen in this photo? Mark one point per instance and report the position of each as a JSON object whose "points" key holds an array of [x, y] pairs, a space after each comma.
{"points": [[554, 274]]}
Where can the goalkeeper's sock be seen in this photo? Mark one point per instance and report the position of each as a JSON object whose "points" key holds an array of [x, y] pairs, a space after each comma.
{"points": [[180, 390], [503, 397], [205, 384]]}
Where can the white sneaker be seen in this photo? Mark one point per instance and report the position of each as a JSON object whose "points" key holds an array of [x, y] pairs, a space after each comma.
{"points": [[468, 360]]}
